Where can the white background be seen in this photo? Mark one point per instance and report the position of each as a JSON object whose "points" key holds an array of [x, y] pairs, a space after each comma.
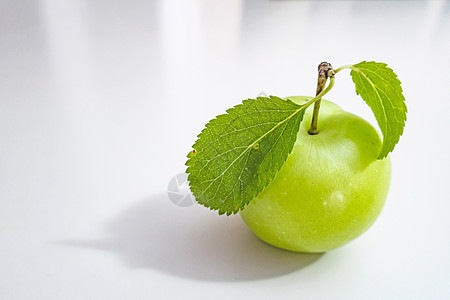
{"points": [[100, 101]]}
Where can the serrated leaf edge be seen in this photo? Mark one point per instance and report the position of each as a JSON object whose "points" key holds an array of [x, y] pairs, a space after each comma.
{"points": [[222, 211], [359, 71]]}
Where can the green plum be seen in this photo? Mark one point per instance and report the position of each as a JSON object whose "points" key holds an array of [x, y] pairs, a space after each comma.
{"points": [[331, 188]]}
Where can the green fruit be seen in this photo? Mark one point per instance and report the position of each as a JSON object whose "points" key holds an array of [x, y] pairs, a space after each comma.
{"points": [[331, 188]]}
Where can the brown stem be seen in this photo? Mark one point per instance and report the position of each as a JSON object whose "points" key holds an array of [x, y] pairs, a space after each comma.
{"points": [[325, 71]]}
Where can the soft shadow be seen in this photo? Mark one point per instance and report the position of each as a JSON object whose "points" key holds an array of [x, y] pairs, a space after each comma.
{"points": [[193, 243]]}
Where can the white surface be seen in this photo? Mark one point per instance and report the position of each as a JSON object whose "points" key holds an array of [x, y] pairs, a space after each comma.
{"points": [[101, 100]]}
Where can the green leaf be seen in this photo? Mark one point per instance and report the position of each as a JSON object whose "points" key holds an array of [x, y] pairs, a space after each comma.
{"points": [[239, 153], [380, 88]]}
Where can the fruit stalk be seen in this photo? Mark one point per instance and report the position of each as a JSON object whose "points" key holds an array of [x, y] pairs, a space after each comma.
{"points": [[325, 70]]}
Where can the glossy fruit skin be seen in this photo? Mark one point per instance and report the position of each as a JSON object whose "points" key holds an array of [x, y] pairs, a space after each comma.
{"points": [[331, 188]]}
